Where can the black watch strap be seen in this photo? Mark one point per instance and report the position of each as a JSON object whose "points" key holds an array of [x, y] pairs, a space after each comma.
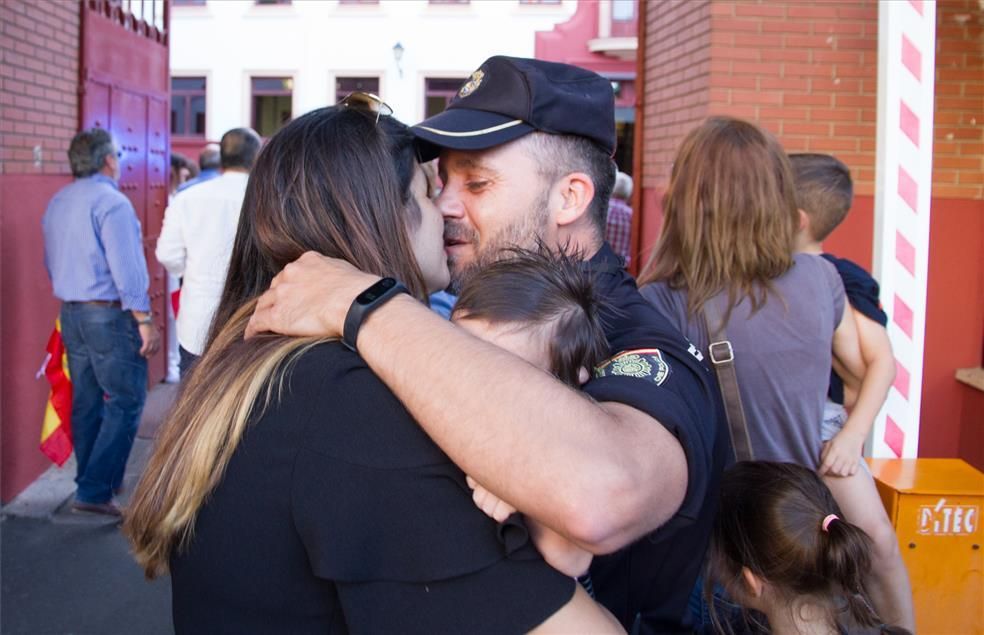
{"points": [[365, 303]]}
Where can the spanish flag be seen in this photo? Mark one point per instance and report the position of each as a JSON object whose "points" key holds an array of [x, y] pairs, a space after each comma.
{"points": [[56, 432]]}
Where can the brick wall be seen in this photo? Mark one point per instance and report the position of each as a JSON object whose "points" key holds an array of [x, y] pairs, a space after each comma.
{"points": [[677, 64], [805, 71], [958, 156], [39, 70]]}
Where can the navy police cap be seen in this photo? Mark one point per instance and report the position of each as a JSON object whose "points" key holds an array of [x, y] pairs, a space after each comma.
{"points": [[508, 97]]}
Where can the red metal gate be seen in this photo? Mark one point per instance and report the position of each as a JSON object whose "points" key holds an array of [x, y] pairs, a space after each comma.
{"points": [[124, 87]]}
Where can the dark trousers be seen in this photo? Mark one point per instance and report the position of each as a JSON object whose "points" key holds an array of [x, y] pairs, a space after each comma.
{"points": [[186, 362], [109, 388]]}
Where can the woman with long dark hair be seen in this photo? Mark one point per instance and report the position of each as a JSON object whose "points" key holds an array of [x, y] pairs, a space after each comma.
{"points": [[290, 491]]}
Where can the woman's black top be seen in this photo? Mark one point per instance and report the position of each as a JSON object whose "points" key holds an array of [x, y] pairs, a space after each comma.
{"points": [[338, 514]]}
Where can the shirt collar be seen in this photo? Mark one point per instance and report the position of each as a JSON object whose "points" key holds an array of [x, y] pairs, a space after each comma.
{"points": [[99, 177], [605, 260]]}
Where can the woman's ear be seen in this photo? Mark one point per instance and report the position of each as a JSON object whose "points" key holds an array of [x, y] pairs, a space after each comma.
{"points": [[753, 583], [576, 191], [583, 375]]}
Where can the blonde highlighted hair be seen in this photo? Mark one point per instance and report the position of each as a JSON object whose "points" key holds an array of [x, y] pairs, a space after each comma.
{"points": [[335, 181], [232, 381], [730, 216]]}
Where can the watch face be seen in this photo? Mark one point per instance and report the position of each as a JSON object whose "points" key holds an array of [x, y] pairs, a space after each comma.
{"points": [[373, 293]]}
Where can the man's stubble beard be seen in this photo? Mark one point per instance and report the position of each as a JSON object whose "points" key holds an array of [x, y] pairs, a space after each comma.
{"points": [[524, 234]]}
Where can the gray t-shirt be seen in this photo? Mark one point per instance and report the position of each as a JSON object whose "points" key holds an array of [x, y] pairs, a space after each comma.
{"points": [[782, 354]]}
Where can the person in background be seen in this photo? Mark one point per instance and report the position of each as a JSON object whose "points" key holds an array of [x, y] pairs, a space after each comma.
{"points": [[93, 252], [782, 547], [196, 240], [724, 269], [209, 164], [824, 193], [180, 172], [618, 227], [725, 259]]}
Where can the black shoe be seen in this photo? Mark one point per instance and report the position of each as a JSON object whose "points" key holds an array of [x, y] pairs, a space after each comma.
{"points": [[107, 509]]}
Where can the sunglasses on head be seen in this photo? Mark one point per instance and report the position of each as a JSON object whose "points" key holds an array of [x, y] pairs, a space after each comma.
{"points": [[367, 101]]}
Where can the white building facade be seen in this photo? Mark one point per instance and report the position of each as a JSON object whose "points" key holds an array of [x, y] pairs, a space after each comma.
{"points": [[259, 63]]}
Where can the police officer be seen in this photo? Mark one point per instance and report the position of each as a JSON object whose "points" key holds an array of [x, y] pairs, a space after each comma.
{"points": [[632, 465]]}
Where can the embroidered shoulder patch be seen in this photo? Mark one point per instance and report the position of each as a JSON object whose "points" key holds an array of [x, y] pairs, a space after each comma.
{"points": [[643, 363]]}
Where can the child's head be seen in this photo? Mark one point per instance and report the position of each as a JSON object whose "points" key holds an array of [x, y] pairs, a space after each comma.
{"points": [[780, 541], [540, 306], [824, 191]]}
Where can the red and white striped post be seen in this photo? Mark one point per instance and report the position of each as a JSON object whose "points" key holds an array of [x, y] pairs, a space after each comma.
{"points": [[904, 167]]}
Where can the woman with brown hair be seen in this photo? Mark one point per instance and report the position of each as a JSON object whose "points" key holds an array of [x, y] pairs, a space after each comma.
{"points": [[290, 491], [726, 254]]}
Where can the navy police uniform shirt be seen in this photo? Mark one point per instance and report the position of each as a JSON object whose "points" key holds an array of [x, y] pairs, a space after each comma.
{"points": [[862, 292], [657, 371]]}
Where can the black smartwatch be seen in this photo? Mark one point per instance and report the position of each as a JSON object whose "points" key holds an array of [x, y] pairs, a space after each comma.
{"points": [[367, 302]]}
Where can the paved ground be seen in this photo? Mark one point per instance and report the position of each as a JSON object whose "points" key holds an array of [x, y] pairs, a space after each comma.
{"points": [[67, 573]]}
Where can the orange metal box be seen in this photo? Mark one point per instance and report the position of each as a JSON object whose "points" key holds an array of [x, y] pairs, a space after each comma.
{"points": [[935, 505]]}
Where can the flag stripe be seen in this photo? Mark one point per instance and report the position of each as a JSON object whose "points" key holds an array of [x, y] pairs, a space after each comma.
{"points": [[56, 429]]}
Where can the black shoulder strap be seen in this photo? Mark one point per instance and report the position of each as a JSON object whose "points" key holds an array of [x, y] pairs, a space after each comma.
{"points": [[722, 356]]}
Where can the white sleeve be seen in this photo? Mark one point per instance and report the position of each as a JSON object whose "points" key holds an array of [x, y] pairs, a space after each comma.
{"points": [[170, 250]]}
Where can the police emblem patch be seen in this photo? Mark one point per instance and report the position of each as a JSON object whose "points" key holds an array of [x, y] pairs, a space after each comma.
{"points": [[644, 363], [472, 84]]}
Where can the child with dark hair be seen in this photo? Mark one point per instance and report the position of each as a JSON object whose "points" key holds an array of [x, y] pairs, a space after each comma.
{"points": [[781, 546], [824, 193], [541, 306]]}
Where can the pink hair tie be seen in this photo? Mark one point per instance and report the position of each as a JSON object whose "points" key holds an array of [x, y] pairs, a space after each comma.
{"points": [[829, 519]]}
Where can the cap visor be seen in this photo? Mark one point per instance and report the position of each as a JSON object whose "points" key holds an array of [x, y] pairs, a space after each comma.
{"points": [[464, 129]]}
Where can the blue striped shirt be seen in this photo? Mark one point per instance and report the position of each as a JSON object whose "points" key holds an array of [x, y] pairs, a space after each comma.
{"points": [[93, 248]]}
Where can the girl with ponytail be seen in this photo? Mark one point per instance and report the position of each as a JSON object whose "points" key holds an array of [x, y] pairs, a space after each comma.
{"points": [[782, 548]]}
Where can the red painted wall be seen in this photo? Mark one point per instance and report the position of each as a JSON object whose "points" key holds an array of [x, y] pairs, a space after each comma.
{"points": [[27, 316], [568, 43], [952, 415], [38, 109], [853, 237]]}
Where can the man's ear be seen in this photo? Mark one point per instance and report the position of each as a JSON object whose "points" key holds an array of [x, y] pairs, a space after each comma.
{"points": [[753, 583], [576, 191]]}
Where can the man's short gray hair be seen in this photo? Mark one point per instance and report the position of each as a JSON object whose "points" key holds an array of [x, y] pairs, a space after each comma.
{"points": [[210, 157], [623, 186], [560, 155], [88, 151]]}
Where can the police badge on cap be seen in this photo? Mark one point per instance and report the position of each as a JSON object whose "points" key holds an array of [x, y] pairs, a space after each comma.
{"points": [[472, 84]]}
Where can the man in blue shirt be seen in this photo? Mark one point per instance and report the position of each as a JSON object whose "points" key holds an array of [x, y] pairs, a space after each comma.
{"points": [[93, 251]]}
